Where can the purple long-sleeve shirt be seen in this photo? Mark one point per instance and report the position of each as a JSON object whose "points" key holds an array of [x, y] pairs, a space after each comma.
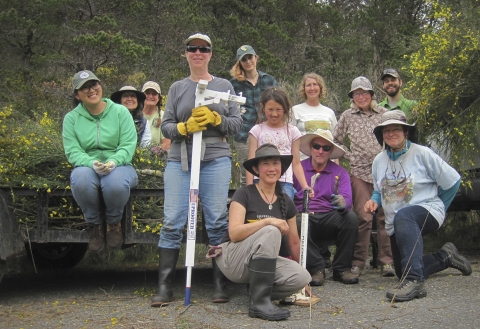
{"points": [[325, 185]]}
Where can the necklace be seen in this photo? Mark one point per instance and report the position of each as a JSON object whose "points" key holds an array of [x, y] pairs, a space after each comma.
{"points": [[271, 201], [252, 78]]}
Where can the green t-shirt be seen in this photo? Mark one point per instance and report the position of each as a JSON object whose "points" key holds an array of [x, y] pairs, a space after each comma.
{"points": [[403, 104]]}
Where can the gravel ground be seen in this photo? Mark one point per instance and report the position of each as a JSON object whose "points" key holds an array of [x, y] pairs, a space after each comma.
{"points": [[120, 298]]}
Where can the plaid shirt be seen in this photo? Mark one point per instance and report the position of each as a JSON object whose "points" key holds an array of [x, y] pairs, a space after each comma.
{"points": [[364, 146], [253, 95]]}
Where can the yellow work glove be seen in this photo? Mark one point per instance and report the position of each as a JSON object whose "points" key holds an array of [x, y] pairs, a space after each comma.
{"points": [[189, 127], [203, 115]]}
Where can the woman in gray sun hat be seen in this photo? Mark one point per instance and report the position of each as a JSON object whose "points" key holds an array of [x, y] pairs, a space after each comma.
{"points": [[260, 214], [414, 186], [357, 124], [249, 81]]}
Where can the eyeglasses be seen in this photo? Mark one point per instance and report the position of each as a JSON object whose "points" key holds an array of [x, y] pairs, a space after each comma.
{"points": [[360, 93], [393, 180], [94, 86], [203, 49], [326, 148]]}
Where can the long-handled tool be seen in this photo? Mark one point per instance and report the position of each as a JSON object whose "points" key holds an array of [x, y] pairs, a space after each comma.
{"points": [[301, 297], [203, 96]]}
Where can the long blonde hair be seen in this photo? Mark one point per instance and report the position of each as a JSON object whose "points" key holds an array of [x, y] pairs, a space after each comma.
{"points": [[237, 71]]}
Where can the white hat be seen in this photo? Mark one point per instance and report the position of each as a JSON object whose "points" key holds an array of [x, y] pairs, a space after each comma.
{"points": [[200, 36], [151, 85], [306, 140]]}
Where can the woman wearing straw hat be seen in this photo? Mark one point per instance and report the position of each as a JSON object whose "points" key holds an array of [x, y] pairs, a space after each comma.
{"points": [[258, 217], [133, 100], [246, 79], [415, 187], [357, 123]]}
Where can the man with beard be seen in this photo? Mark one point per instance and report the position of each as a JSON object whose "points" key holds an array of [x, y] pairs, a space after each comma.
{"points": [[395, 100]]}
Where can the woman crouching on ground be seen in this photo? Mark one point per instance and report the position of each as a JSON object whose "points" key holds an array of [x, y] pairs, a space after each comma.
{"points": [[250, 250], [415, 187]]}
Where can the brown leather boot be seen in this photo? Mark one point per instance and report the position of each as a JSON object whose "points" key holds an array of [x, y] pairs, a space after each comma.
{"points": [[114, 235], [97, 238]]}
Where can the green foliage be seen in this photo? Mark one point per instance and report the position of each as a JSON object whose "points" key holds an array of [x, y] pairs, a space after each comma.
{"points": [[446, 74]]}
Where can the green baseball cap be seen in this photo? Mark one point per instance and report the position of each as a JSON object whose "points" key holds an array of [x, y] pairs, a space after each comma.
{"points": [[81, 77], [245, 50]]}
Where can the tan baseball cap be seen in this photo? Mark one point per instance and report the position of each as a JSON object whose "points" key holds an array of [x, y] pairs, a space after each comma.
{"points": [[151, 85], [200, 36]]}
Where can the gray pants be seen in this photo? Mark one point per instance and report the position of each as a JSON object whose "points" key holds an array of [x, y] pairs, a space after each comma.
{"points": [[290, 277]]}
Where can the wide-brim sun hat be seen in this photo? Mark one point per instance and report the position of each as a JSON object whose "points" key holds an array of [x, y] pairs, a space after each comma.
{"points": [[245, 50], [267, 151], [307, 139], [200, 36], [81, 77], [361, 83], [151, 85], [117, 96], [395, 117]]}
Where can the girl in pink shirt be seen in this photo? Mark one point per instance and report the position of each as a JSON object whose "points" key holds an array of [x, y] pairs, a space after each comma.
{"points": [[274, 129]]}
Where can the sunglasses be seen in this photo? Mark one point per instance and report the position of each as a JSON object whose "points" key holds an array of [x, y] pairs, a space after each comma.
{"points": [[203, 49], [326, 148]]}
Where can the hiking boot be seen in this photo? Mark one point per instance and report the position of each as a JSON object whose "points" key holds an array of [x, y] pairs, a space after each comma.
{"points": [[114, 235], [318, 279], [97, 238], [357, 270], [388, 270], [407, 290], [455, 260], [345, 277]]}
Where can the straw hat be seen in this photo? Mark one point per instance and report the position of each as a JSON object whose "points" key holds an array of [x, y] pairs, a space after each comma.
{"points": [[307, 139]]}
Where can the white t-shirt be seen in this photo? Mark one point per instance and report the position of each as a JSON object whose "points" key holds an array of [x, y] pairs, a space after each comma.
{"points": [[412, 179], [310, 118], [279, 137]]}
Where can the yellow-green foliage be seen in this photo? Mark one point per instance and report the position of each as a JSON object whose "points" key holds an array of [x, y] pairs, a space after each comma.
{"points": [[446, 75]]}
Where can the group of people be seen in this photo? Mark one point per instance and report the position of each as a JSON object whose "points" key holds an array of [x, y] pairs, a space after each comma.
{"points": [[284, 150]]}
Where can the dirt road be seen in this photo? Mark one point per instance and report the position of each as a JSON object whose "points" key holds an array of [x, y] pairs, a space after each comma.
{"points": [[120, 298]]}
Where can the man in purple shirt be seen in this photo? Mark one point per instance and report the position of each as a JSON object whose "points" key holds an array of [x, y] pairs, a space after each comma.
{"points": [[331, 217]]}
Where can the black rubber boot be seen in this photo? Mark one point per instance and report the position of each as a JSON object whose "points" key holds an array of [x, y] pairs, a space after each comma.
{"points": [[262, 276], [219, 285], [166, 275]]}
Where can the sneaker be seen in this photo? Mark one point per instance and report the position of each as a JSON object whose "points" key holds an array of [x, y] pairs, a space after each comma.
{"points": [[455, 260], [345, 277], [318, 279], [388, 270], [407, 290], [97, 238], [114, 235]]}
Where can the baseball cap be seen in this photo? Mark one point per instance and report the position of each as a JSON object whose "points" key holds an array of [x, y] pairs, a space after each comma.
{"points": [[390, 72], [200, 36], [151, 85], [81, 77], [245, 50]]}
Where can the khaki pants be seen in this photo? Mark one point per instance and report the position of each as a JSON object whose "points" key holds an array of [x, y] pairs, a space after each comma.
{"points": [[362, 191], [290, 277]]}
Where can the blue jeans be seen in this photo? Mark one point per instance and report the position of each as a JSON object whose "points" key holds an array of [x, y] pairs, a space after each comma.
{"points": [[407, 244], [213, 192], [115, 188]]}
